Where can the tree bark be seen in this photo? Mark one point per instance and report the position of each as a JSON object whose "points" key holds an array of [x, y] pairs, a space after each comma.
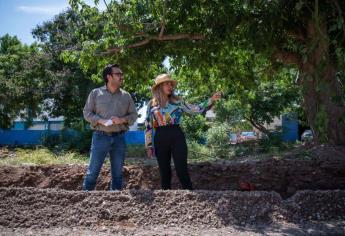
{"points": [[325, 113], [258, 126]]}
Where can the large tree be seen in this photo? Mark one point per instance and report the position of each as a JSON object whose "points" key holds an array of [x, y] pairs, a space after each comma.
{"points": [[69, 83], [307, 34], [21, 90]]}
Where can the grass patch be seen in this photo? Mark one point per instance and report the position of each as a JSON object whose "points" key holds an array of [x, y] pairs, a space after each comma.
{"points": [[200, 153], [136, 151], [249, 150], [135, 154], [39, 156]]}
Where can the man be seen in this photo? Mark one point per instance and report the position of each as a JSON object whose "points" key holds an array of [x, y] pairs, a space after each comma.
{"points": [[110, 110]]}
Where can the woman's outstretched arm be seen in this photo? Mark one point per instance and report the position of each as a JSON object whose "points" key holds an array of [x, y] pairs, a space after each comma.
{"points": [[202, 107]]}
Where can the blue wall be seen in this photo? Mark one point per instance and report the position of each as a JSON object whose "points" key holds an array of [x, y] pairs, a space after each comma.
{"points": [[18, 135], [135, 137], [290, 128], [34, 137]]}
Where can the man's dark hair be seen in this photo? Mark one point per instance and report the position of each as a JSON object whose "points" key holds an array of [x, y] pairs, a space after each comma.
{"points": [[107, 71]]}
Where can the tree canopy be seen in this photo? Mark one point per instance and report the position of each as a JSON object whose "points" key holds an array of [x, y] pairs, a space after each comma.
{"points": [[21, 87], [305, 34]]}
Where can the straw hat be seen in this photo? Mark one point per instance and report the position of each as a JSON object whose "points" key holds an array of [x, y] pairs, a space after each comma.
{"points": [[163, 78]]}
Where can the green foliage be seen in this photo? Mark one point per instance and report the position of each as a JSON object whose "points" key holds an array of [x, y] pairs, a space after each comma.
{"points": [[218, 139], [195, 127], [20, 89], [260, 102], [218, 135], [68, 140], [69, 84], [33, 78], [272, 142]]}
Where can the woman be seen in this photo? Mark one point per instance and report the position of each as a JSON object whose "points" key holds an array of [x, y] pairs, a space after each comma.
{"points": [[163, 118]]}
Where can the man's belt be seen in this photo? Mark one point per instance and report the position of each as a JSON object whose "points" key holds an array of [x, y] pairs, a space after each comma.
{"points": [[110, 133]]}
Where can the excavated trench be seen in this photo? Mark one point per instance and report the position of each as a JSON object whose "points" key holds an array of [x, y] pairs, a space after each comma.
{"points": [[289, 190], [282, 176]]}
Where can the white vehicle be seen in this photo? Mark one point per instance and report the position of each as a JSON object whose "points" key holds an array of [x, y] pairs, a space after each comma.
{"points": [[307, 136], [248, 135]]}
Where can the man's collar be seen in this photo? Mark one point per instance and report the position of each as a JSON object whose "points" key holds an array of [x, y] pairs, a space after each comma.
{"points": [[105, 88]]}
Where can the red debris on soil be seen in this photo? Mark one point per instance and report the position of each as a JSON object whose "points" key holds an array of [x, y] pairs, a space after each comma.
{"points": [[246, 186]]}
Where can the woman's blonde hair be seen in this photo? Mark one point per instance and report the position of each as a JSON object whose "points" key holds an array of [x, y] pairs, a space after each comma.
{"points": [[160, 99]]}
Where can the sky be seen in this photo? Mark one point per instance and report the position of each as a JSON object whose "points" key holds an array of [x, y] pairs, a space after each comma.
{"points": [[19, 17]]}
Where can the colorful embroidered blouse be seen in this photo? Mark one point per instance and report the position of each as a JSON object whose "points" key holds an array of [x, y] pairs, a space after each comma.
{"points": [[157, 116]]}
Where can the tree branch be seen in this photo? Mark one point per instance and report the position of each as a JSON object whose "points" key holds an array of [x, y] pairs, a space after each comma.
{"points": [[163, 21], [257, 125], [173, 37], [105, 3], [162, 29]]}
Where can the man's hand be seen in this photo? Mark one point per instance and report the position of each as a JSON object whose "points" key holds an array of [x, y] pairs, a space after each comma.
{"points": [[118, 121]]}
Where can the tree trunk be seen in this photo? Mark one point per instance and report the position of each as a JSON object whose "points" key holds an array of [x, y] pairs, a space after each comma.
{"points": [[323, 101], [259, 127]]}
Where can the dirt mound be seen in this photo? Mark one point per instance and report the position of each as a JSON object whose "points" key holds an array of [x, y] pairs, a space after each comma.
{"points": [[43, 200], [31, 207], [146, 212], [320, 171]]}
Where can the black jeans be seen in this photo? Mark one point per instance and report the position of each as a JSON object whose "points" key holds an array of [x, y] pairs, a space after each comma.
{"points": [[170, 141]]}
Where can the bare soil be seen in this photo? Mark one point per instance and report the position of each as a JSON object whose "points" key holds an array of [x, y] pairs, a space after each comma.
{"points": [[293, 196]]}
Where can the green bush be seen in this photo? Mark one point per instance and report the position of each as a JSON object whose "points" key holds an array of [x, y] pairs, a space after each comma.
{"points": [[68, 140], [271, 143], [195, 127], [218, 139], [218, 135], [245, 148]]}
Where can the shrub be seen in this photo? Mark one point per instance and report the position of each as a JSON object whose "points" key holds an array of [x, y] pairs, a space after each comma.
{"points": [[195, 128], [218, 139], [68, 140]]}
